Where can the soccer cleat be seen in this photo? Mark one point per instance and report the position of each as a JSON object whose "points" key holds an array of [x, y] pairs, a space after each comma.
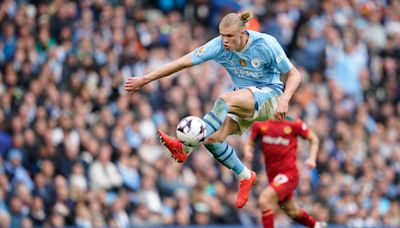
{"points": [[244, 190], [174, 146], [320, 225]]}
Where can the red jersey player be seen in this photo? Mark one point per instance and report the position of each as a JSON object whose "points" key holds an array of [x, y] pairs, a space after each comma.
{"points": [[278, 139]]}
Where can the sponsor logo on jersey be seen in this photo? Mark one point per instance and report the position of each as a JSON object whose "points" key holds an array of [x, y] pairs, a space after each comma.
{"points": [[287, 130], [242, 62], [275, 140], [200, 51], [247, 73], [255, 62]]}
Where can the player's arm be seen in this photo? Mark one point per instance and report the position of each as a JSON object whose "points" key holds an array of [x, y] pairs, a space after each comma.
{"points": [[135, 83], [292, 83], [281, 62], [201, 54], [249, 150], [311, 162], [251, 143]]}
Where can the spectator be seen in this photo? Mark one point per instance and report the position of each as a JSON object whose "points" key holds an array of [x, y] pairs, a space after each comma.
{"points": [[15, 171], [103, 174]]}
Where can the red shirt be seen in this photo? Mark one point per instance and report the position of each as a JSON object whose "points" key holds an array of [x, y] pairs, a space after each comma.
{"points": [[279, 143]]}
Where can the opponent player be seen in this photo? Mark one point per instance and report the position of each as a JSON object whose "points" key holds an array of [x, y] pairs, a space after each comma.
{"points": [[255, 62], [278, 139]]}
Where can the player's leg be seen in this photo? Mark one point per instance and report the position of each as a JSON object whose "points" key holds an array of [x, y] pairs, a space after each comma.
{"points": [[240, 102], [268, 201], [247, 105], [241, 105], [227, 156], [250, 103], [279, 190], [298, 214]]}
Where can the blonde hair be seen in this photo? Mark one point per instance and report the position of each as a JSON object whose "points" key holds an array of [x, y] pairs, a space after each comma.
{"points": [[239, 19]]}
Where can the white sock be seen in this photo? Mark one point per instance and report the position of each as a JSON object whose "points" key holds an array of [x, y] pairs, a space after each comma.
{"points": [[245, 174], [187, 149]]}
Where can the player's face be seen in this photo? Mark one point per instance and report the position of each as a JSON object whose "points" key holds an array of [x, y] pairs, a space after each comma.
{"points": [[231, 37]]}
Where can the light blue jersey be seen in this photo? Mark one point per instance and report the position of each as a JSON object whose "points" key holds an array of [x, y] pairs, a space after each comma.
{"points": [[259, 64]]}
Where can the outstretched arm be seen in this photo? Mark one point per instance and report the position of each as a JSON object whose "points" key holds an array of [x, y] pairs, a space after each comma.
{"points": [[133, 84], [292, 82], [314, 145]]}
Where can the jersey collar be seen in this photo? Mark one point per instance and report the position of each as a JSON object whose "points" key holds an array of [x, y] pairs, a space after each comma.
{"points": [[247, 45]]}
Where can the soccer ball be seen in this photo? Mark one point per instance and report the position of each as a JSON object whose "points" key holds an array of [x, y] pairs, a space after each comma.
{"points": [[191, 131]]}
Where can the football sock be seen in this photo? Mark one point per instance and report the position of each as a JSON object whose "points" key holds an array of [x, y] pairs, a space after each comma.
{"points": [[245, 174], [216, 116], [305, 219], [227, 156], [267, 218]]}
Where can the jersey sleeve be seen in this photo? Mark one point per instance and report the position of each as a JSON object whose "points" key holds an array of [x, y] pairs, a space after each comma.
{"points": [[254, 132], [302, 129], [206, 52], [278, 57]]}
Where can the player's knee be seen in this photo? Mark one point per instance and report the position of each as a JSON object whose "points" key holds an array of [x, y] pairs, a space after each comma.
{"points": [[228, 98], [214, 138], [265, 202], [268, 199]]}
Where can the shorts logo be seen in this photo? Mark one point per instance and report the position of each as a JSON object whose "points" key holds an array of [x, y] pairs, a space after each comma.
{"points": [[255, 62], [242, 62], [303, 126], [200, 51], [280, 179], [287, 130]]}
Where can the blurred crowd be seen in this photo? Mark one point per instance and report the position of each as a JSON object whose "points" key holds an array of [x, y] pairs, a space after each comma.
{"points": [[76, 150]]}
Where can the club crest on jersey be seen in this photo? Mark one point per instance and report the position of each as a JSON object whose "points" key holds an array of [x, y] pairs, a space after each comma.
{"points": [[264, 128], [200, 51], [242, 62], [255, 62], [287, 130]]}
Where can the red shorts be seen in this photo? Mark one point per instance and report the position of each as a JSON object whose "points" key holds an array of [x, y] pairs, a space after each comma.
{"points": [[284, 185]]}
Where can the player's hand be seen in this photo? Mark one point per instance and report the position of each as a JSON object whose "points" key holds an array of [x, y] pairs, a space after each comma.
{"points": [[283, 107], [133, 84], [310, 163]]}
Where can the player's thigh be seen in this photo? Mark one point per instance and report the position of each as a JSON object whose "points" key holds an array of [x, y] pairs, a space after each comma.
{"points": [[290, 207], [241, 102]]}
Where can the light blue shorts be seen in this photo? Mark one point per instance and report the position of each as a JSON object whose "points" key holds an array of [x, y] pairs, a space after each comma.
{"points": [[266, 101]]}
